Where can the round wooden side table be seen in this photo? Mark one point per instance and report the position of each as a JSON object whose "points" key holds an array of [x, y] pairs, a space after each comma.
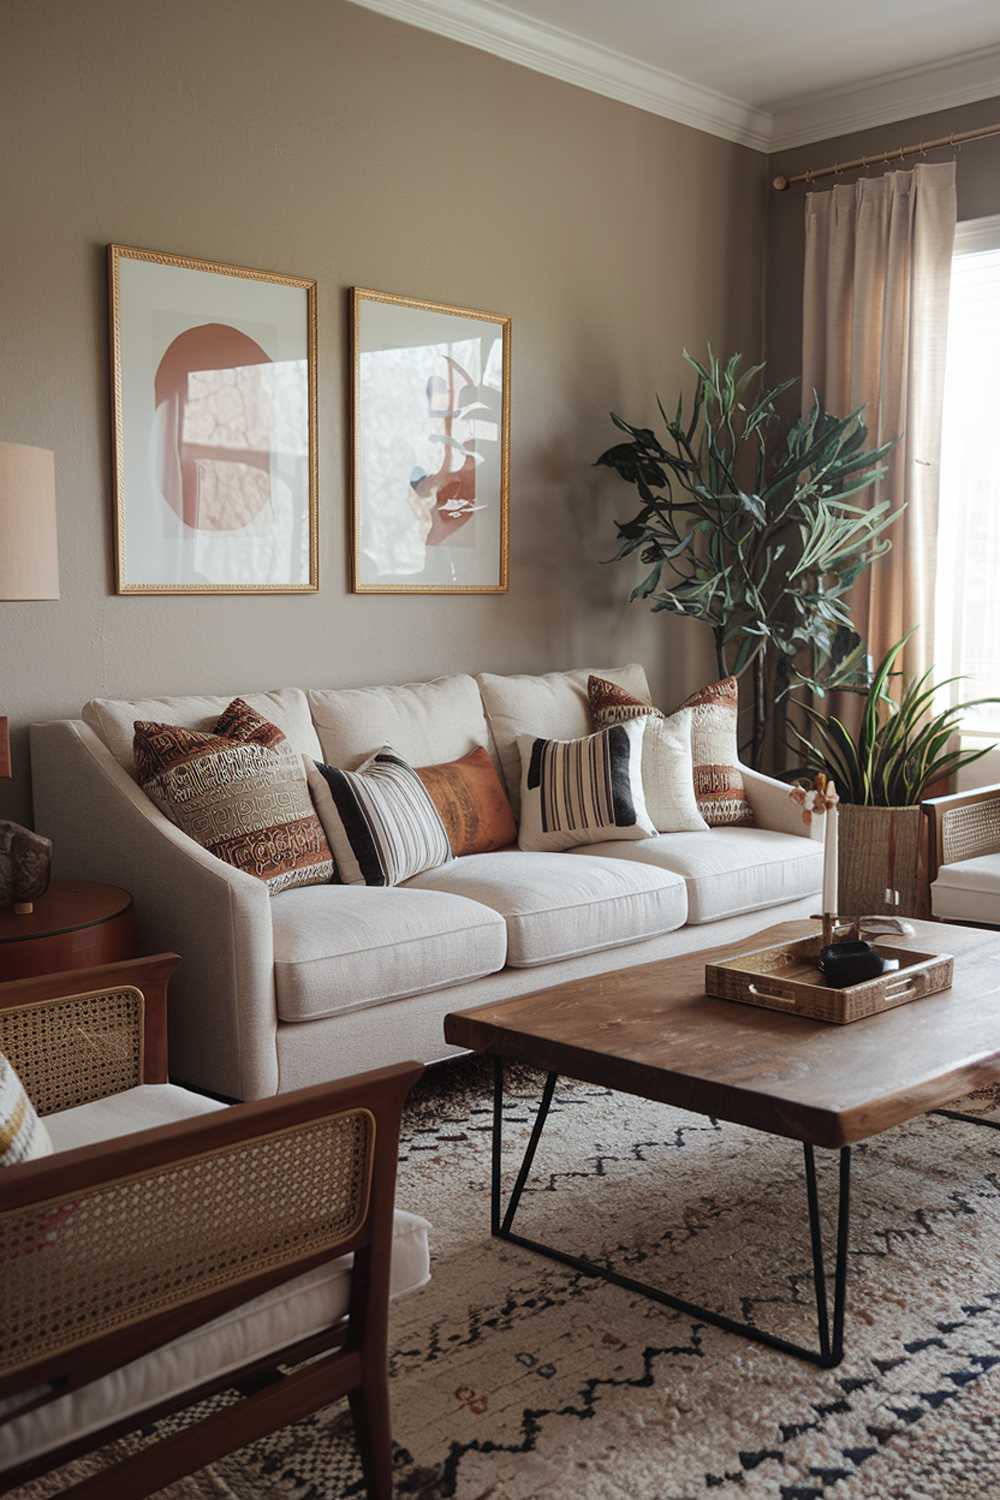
{"points": [[75, 925]]}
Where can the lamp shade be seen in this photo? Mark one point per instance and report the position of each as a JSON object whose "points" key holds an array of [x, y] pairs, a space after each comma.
{"points": [[29, 557]]}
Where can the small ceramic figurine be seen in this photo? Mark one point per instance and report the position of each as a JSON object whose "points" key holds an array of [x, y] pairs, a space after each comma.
{"points": [[25, 867]]}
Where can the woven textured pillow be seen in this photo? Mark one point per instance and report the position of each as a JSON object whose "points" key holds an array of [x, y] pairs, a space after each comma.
{"points": [[583, 791], [241, 792], [718, 779], [472, 803], [667, 769], [23, 1137], [381, 823]]}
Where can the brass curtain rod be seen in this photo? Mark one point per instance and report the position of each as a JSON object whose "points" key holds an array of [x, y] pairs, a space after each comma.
{"points": [[884, 158]]}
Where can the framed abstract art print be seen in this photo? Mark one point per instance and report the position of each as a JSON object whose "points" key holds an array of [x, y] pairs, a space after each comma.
{"points": [[213, 399], [431, 419]]}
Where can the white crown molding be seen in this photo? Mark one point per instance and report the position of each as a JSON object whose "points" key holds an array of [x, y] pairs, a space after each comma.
{"points": [[562, 54], [494, 27], [883, 100]]}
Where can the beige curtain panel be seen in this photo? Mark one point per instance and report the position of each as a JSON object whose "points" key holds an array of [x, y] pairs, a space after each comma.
{"points": [[875, 320]]}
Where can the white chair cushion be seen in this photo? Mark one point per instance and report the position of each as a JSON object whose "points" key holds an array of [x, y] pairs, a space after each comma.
{"points": [[288, 1312], [556, 909], [424, 722], [140, 1108], [344, 947], [551, 707], [113, 719], [730, 870], [968, 891]]}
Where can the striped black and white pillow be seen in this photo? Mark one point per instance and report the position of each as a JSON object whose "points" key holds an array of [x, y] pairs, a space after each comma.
{"points": [[584, 791], [380, 822]]}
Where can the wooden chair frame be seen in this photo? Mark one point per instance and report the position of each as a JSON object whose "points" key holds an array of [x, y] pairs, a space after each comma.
{"points": [[354, 1362], [961, 826]]}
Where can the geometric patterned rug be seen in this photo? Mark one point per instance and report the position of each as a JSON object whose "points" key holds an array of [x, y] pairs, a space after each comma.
{"points": [[514, 1378]]}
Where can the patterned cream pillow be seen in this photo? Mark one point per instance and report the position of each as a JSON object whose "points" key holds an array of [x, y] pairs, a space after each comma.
{"points": [[23, 1137], [667, 770], [718, 779], [585, 791], [240, 792]]}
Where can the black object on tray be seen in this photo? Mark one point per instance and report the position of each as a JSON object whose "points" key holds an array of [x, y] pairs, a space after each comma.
{"points": [[842, 964]]}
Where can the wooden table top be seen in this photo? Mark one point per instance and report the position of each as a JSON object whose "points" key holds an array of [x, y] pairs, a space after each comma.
{"points": [[652, 1031], [66, 906]]}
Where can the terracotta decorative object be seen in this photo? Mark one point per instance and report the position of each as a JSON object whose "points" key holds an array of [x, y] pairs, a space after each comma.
{"points": [[25, 866]]}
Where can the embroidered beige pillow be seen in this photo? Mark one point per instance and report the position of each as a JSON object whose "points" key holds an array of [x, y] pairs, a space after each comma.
{"points": [[240, 792], [667, 767], [718, 778]]}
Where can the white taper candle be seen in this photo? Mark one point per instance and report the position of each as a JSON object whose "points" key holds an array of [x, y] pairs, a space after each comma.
{"points": [[830, 861]]}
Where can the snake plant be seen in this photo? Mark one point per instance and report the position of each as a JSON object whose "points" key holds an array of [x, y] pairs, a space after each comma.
{"points": [[901, 747]]}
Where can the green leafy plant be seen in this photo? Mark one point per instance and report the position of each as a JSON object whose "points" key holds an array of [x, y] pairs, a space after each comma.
{"points": [[901, 748], [746, 523]]}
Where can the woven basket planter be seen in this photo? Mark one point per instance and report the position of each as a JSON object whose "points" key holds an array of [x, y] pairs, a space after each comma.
{"points": [[883, 861]]}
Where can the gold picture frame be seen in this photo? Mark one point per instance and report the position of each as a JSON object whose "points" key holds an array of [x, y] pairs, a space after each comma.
{"points": [[124, 467], [362, 584]]}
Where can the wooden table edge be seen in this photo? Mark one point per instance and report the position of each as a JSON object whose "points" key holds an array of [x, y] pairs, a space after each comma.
{"points": [[736, 1105]]}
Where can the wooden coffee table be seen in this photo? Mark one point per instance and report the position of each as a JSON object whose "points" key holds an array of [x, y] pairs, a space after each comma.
{"points": [[651, 1031]]}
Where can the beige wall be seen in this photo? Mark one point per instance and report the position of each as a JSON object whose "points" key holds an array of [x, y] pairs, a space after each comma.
{"points": [[317, 138], [978, 195]]}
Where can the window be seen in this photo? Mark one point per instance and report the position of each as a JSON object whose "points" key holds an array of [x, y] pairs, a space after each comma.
{"points": [[967, 640]]}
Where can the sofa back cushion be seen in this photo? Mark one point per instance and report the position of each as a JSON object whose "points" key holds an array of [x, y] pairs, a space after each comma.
{"points": [[113, 720], [554, 706], [425, 722]]}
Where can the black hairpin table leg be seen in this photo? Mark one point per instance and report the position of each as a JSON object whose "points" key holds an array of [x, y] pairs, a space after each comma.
{"points": [[831, 1331]]}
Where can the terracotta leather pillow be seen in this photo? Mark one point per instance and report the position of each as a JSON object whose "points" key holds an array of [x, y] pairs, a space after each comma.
{"points": [[472, 803]]}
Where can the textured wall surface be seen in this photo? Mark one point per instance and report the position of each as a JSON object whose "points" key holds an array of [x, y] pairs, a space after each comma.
{"points": [[317, 138]]}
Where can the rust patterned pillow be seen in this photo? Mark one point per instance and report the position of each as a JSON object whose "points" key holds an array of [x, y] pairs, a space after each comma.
{"points": [[239, 791], [472, 803], [718, 779]]}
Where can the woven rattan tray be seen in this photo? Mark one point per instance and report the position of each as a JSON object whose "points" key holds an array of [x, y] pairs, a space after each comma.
{"points": [[786, 978]]}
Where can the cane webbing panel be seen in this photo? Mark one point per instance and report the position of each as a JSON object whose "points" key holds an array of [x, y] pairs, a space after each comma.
{"points": [[86, 1265], [969, 831], [70, 1051]]}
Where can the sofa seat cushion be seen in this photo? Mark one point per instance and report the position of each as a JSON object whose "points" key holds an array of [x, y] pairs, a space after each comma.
{"points": [[141, 1108], [968, 891], [289, 1312], [344, 947], [730, 870], [556, 908]]}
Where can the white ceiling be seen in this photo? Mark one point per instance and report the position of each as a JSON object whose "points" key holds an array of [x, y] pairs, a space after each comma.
{"points": [[770, 73]]}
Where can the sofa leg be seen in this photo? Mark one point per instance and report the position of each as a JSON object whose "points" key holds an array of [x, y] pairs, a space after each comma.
{"points": [[373, 1432]]}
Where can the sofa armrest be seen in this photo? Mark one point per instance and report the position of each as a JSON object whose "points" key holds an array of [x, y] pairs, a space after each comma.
{"points": [[82, 1035], [962, 826], [223, 1017], [773, 807], [111, 1250]]}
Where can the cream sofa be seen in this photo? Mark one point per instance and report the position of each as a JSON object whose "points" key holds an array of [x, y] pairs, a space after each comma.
{"points": [[326, 981]]}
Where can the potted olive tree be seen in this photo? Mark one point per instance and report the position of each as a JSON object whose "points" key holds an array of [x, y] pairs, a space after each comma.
{"points": [[749, 523], [882, 774]]}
